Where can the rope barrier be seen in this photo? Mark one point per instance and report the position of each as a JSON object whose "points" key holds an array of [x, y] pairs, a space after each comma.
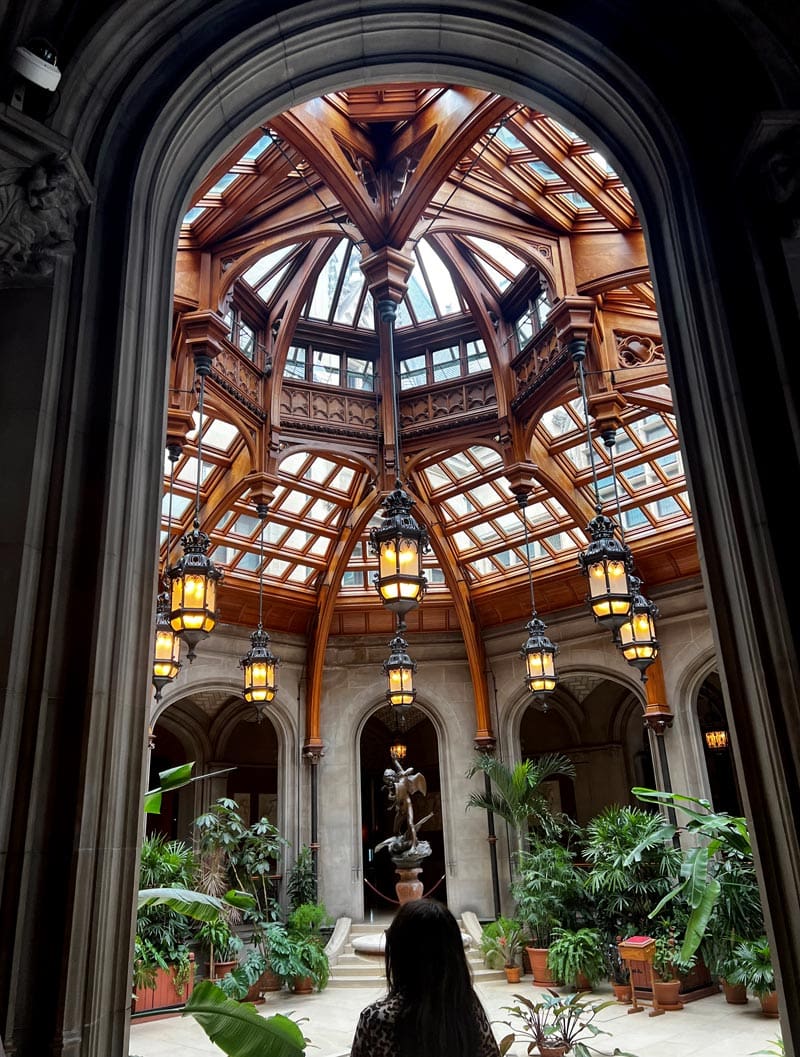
{"points": [[397, 901]]}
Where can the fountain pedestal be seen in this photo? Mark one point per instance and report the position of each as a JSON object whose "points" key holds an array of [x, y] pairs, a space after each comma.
{"points": [[408, 867]]}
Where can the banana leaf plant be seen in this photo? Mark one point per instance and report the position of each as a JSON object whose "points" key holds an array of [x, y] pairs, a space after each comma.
{"points": [[721, 836], [239, 1030]]}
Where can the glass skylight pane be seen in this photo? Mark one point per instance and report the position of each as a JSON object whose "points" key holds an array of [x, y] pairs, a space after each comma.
{"points": [[180, 504], [412, 372], [508, 558], [298, 540], [666, 507], [543, 170], [634, 518], [436, 477], [502, 282], [257, 149], [249, 562], [224, 555], [443, 291], [484, 495], [245, 525], [320, 546], [508, 139], [485, 532], [510, 261], [220, 435], [576, 200], [366, 321], [360, 374], [510, 524], [343, 479], [557, 422], [325, 286], [463, 542], [420, 299], [319, 471], [483, 567], [477, 357], [295, 366], [321, 511], [350, 293], [460, 505], [256, 272], [222, 183], [193, 214], [294, 502], [353, 578], [292, 463], [403, 316], [459, 466], [446, 363], [275, 567], [274, 534], [486, 456], [579, 456], [435, 575], [326, 367], [188, 475], [561, 541], [671, 465], [300, 574], [601, 163], [537, 514]]}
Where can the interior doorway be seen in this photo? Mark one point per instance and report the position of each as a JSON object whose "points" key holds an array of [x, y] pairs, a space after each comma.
{"points": [[414, 736]]}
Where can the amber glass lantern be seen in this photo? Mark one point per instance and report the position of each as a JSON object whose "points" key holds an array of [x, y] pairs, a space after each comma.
{"points": [[607, 563], [398, 750], [539, 653], [399, 670], [399, 544], [637, 636], [716, 740], [259, 665], [193, 592], [167, 649]]}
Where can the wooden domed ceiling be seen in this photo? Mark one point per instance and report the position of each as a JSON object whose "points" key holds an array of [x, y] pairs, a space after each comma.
{"points": [[503, 237]]}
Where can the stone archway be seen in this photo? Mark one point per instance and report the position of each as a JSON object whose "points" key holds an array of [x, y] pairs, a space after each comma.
{"points": [[191, 90]]}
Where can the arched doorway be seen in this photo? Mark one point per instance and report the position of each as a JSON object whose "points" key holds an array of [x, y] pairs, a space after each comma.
{"points": [[414, 735], [717, 750]]}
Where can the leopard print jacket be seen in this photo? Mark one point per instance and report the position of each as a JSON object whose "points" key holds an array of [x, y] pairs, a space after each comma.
{"points": [[374, 1035]]}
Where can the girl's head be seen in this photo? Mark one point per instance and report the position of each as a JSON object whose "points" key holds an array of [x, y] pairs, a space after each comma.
{"points": [[425, 950]]}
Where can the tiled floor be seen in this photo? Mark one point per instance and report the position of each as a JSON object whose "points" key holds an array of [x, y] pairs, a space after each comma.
{"points": [[708, 1027]]}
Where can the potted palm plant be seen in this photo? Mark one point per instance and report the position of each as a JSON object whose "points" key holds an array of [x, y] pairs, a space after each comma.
{"points": [[501, 945], [753, 968], [576, 957], [548, 892]]}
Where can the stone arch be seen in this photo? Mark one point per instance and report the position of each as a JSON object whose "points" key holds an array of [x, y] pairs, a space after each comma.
{"points": [[145, 168]]}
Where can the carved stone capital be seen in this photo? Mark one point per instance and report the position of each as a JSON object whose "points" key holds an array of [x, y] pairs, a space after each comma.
{"points": [[313, 751], [485, 742], [658, 718]]}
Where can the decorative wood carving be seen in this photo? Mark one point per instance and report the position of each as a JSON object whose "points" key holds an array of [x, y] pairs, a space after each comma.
{"points": [[459, 399], [328, 408], [633, 350], [242, 377]]}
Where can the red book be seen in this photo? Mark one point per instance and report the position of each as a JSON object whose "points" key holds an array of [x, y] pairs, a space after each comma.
{"points": [[638, 941]]}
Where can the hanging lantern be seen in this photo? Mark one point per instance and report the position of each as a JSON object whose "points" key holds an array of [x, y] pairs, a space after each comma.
{"points": [[398, 750], [399, 544], [716, 740], [608, 564], [539, 653], [166, 655], [259, 665], [399, 670], [194, 590], [636, 637]]}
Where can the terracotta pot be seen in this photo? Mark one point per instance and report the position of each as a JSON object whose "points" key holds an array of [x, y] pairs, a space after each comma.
{"points": [[270, 981], [553, 1051], [666, 992], [302, 985], [622, 993], [583, 983], [513, 973], [735, 994], [539, 967], [223, 968], [769, 1004]]}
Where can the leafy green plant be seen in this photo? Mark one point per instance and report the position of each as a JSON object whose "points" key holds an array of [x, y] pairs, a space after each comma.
{"points": [[516, 793], [548, 890], [501, 943], [308, 919], [631, 867], [668, 962], [239, 1030], [777, 1048], [295, 956], [301, 885], [752, 966], [576, 953], [719, 837], [553, 1020]]}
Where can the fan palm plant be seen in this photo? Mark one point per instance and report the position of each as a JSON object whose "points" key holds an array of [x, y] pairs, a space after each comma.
{"points": [[515, 793]]}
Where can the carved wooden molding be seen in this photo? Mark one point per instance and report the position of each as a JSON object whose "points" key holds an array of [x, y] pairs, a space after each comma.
{"points": [[460, 399], [312, 407], [634, 349]]}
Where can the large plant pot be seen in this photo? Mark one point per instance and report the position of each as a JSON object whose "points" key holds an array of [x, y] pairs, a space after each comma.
{"points": [[223, 968], [513, 973], [553, 1051], [622, 993], [537, 957], [666, 993], [302, 985], [769, 1004], [735, 994], [165, 995], [270, 981]]}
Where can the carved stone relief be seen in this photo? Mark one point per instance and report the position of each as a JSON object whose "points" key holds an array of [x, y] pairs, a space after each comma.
{"points": [[38, 211]]}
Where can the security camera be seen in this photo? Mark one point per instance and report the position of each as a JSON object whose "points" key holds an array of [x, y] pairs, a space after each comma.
{"points": [[37, 64]]}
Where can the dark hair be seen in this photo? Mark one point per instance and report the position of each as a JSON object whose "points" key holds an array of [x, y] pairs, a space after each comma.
{"points": [[426, 965]]}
